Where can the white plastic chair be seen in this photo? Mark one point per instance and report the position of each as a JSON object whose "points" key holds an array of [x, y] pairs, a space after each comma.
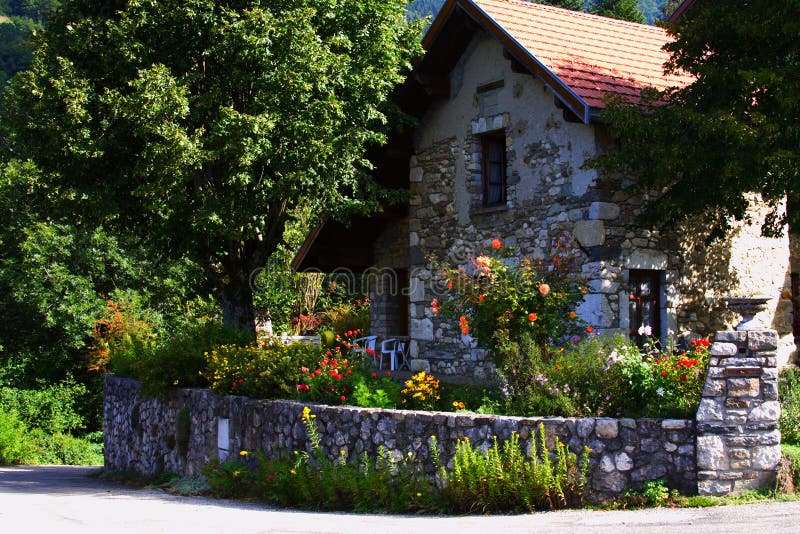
{"points": [[364, 343], [394, 347]]}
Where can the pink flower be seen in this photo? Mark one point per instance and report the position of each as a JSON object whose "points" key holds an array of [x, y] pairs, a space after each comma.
{"points": [[544, 289]]}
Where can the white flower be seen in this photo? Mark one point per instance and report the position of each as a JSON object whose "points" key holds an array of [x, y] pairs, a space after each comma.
{"points": [[660, 392], [645, 331]]}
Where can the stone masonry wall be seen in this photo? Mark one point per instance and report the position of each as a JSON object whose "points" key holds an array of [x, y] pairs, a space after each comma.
{"points": [[550, 195], [738, 438], [182, 431]]}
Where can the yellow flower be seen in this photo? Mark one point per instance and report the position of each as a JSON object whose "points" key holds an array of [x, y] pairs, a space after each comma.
{"points": [[293, 472], [236, 473], [243, 453]]}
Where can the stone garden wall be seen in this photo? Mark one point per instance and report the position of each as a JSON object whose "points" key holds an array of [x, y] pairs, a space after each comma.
{"points": [[181, 432], [733, 445]]}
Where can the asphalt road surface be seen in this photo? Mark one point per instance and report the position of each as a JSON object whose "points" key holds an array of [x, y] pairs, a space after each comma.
{"points": [[63, 499]]}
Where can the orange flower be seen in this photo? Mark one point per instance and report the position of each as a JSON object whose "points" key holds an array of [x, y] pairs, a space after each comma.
{"points": [[532, 316], [485, 263], [480, 298], [584, 291], [589, 329], [449, 285], [462, 321], [572, 315], [435, 306], [496, 244], [544, 289]]}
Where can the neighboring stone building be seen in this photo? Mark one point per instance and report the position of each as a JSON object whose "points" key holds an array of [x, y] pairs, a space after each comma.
{"points": [[508, 97]]}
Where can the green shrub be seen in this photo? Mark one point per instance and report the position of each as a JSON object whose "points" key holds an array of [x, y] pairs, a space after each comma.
{"points": [[172, 361], [65, 449], [601, 376], [21, 445], [653, 493], [789, 391], [269, 372], [14, 446], [51, 409], [376, 392], [347, 317]]}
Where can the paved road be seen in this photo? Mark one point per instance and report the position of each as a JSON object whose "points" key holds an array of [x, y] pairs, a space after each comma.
{"points": [[64, 500]]}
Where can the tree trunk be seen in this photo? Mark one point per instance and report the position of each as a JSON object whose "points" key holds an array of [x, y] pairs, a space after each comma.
{"points": [[236, 300]]}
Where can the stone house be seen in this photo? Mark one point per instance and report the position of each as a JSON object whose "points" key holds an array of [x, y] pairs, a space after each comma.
{"points": [[507, 99]]}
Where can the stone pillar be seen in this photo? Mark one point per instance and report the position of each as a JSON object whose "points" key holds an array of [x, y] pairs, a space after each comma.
{"points": [[738, 439]]}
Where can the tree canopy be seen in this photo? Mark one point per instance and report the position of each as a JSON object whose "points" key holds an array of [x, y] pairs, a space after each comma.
{"points": [[194, 128], [733, 131]]}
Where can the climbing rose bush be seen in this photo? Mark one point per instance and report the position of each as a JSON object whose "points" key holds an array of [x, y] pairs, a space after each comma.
{"points": [[499, 298]]}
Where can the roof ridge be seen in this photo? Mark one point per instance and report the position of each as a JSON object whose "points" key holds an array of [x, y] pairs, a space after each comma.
{"points": [[580, 14]]}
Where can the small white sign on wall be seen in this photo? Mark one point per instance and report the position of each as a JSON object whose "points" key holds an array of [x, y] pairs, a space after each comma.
{"points": [[223, 437]]}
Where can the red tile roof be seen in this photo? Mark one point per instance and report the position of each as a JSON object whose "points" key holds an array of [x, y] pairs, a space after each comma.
{"points": [[590, 55]]}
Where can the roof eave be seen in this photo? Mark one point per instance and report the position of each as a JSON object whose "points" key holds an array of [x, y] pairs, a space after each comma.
{"points": [[571, 100]]}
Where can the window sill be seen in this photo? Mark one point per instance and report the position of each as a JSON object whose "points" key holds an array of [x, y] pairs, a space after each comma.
{"points": [[487, 210]]}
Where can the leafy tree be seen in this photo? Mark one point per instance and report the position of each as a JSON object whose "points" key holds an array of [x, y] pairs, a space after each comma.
{"points": [[18, 20], [197, 127], [618, 9], [732, 131]]}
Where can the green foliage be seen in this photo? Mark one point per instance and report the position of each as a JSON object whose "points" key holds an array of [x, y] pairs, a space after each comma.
{"points": [[268, 372], [312, 480], [500, 480], [503, 479], [14, 447], [618, 9], [375, 392], [172, 360], [729, 133], [50, 409], [199, 128], [789, 391], [64, 449], [22, 445], [653, 493], [664, 383], [602, 376], [348, 316], [499, 298]]}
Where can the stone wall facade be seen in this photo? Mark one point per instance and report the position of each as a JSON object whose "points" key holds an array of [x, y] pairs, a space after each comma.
{"points": [[550, 196], [738, 438], [188, 427]]}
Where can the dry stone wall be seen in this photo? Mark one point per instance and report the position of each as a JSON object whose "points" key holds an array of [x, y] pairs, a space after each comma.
{"points": [[188, 427]]}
